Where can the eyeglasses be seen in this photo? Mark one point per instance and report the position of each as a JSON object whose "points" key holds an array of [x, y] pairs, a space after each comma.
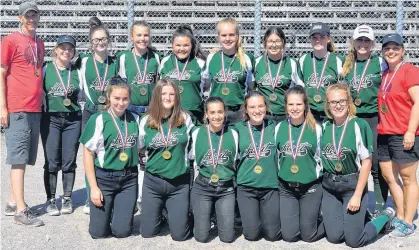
{"points": [[98, 40], [117, 80], [270, 42], [341, 102]]}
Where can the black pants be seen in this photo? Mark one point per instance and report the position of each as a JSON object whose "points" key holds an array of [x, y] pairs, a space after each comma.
{"points": [[174, 195], [300, 210], [276, 118], [320, 116], [340, 223], [207, 198], [120, 191], [259, 210], [234, 115], [60, 133]]}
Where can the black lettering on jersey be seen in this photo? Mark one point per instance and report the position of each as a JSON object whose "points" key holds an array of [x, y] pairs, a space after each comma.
{"points": [[131, 142], [329, 152], [224, 157], [302, 149], [265, 152], [158, 142]]}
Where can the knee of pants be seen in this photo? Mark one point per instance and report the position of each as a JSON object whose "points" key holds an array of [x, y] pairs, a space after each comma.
{"points": [[352, 242], [334, 237], [272, 235], [147, 231], [52, 168], [202, 237], [227, 237], [69, 168], [122, 233], [99, 233], [289, 237], [179, 236], [252, 235]]}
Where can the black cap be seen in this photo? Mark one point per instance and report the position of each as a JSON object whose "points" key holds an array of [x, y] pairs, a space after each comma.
{"points": [[27, 6], [320, 28], [395, 38], [66, 39]]}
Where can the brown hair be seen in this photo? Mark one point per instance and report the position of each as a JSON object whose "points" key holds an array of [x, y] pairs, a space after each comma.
{"points": [[116, 82], [299, 90], [53, 54], [155, 109], [95, 24], [331, 45], [214, 99], [253, 93], [241, 55], [344, 87]]}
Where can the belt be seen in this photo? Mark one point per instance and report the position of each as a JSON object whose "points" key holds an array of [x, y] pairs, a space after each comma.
{"points": [[137, 109], [219, 183], [117, 173], [233, 108], [64, 114], [94, 107], [298, 185], [345, 177]]}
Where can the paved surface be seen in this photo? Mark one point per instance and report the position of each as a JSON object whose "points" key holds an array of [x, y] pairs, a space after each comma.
{"points": [[70, 231]]}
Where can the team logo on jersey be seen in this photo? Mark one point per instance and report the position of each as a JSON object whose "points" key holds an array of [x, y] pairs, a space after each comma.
{"points": [[330, 153], [58, 90], [148, 79], [224, 157], [366, 83], [233, 77], [302, 149], [131, 142], [265, 152], [158, 142], [96, 85], [266, 80], [326, 80], [173, 74]]}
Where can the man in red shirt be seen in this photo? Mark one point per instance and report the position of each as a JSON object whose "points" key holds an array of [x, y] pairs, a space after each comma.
{"points": [[22, 56]]}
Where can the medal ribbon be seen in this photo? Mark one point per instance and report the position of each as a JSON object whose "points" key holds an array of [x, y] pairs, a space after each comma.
{"points": [[257, 151], [215, 161], [166, 140], [34, 53], [61, 79], [123, 138], [387, 84], [101, 83], [274, 82], [180, 74], [362, 76], [229, 67], [339, 148], [143, 76], [295, 153], [319, 83]]}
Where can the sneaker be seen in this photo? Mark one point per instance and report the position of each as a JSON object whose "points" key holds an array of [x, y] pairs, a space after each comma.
{"points": [[66, 205], [395, 222], [389, 212], [26, 218], [51, 207], [403, 231], [86, 208], [10, 209]]}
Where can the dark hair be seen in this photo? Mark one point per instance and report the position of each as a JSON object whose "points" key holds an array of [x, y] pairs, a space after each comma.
{"points": [[299, 90], [253, 93], [116, 82], [185, 30], [276, 31], [213, 99], [95, 24]]}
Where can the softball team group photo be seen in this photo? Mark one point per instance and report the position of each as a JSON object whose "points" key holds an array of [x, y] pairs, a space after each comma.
{"points": [[271, 146]]}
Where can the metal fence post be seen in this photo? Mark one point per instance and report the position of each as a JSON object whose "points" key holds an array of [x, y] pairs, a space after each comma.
{"points": [[130, 17], [258, 16], [399, 17]]}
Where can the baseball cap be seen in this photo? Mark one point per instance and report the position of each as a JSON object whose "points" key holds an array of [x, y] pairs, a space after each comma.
{"points": [[27, 6], [66, 39], [395, 38], [320, 28], [364, 31]]}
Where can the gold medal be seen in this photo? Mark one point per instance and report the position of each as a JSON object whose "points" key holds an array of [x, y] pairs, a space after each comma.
{"points": [[101, 99], [123, 156], [384, 108], [294, 168], [36, 73], [273, 97], [317, 98], [143, 91], [181, 89], [357, 101], [338, 167], [225, 91], [167, 155], [214, 178], [258, 169], [67, 102]]}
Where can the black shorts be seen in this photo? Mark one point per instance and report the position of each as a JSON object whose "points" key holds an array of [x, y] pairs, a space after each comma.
{"points": [[390, 148]]}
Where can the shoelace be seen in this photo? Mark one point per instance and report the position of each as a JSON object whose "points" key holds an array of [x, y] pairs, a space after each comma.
{"points": [[29, 213]]}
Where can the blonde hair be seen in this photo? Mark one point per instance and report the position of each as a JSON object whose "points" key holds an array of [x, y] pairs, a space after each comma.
{"points": [[144, 24], [241, 55], [345, 88], [350, 58], [155, 109], [331, 45]]}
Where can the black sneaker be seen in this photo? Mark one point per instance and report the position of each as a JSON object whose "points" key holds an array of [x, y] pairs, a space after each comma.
{"points": [[51, 207], [66, 205], [26, 218]]}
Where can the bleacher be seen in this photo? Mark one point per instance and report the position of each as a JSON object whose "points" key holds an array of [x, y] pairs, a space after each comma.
{"points": [[294, 17]]}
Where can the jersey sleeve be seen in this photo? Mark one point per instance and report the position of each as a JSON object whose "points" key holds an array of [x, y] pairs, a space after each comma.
{"points": [[296, 75], [141, 132], [364, 139], [236, 143], [8, 50], [121, 70], [339, 63], [317, 155], [411, 77], [137, 120], [92, 135], [250, 79], [189, 123]]}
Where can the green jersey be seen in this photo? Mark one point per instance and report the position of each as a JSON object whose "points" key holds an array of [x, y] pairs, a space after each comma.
{"points": [[57, 88], [228, 79], [307, 155], [357, 145], [155, 140], [268, 75], [187, 75], [313, 73], [250, 150], [94, 83], [221, 147], [142, 84], [366, 90], [101, 136]]}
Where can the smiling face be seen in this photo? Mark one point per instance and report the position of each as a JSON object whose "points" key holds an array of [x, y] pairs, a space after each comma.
{"points": [[100, 41], [30, 21], [228, 37], [274, 46], [393, 53], [363, 46], [182, 47], [119, 100], [168, 97], [141, 37], [64, 53], [295, 107], [337, 101], [215, 115], [256, 109], [319, 42]]}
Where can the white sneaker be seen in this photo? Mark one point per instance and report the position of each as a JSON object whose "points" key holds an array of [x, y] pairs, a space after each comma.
{"points": [[86, 208]]}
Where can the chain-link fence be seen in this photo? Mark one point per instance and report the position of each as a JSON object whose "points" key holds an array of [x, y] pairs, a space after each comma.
{"points": [[294, 17]]}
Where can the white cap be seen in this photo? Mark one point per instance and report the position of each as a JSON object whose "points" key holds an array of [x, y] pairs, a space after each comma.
{"points": [[364, 31]]}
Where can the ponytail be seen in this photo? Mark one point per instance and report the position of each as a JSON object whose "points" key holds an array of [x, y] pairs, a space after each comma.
{"points": [[330, 45], [349, 60], [241, 55]]}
